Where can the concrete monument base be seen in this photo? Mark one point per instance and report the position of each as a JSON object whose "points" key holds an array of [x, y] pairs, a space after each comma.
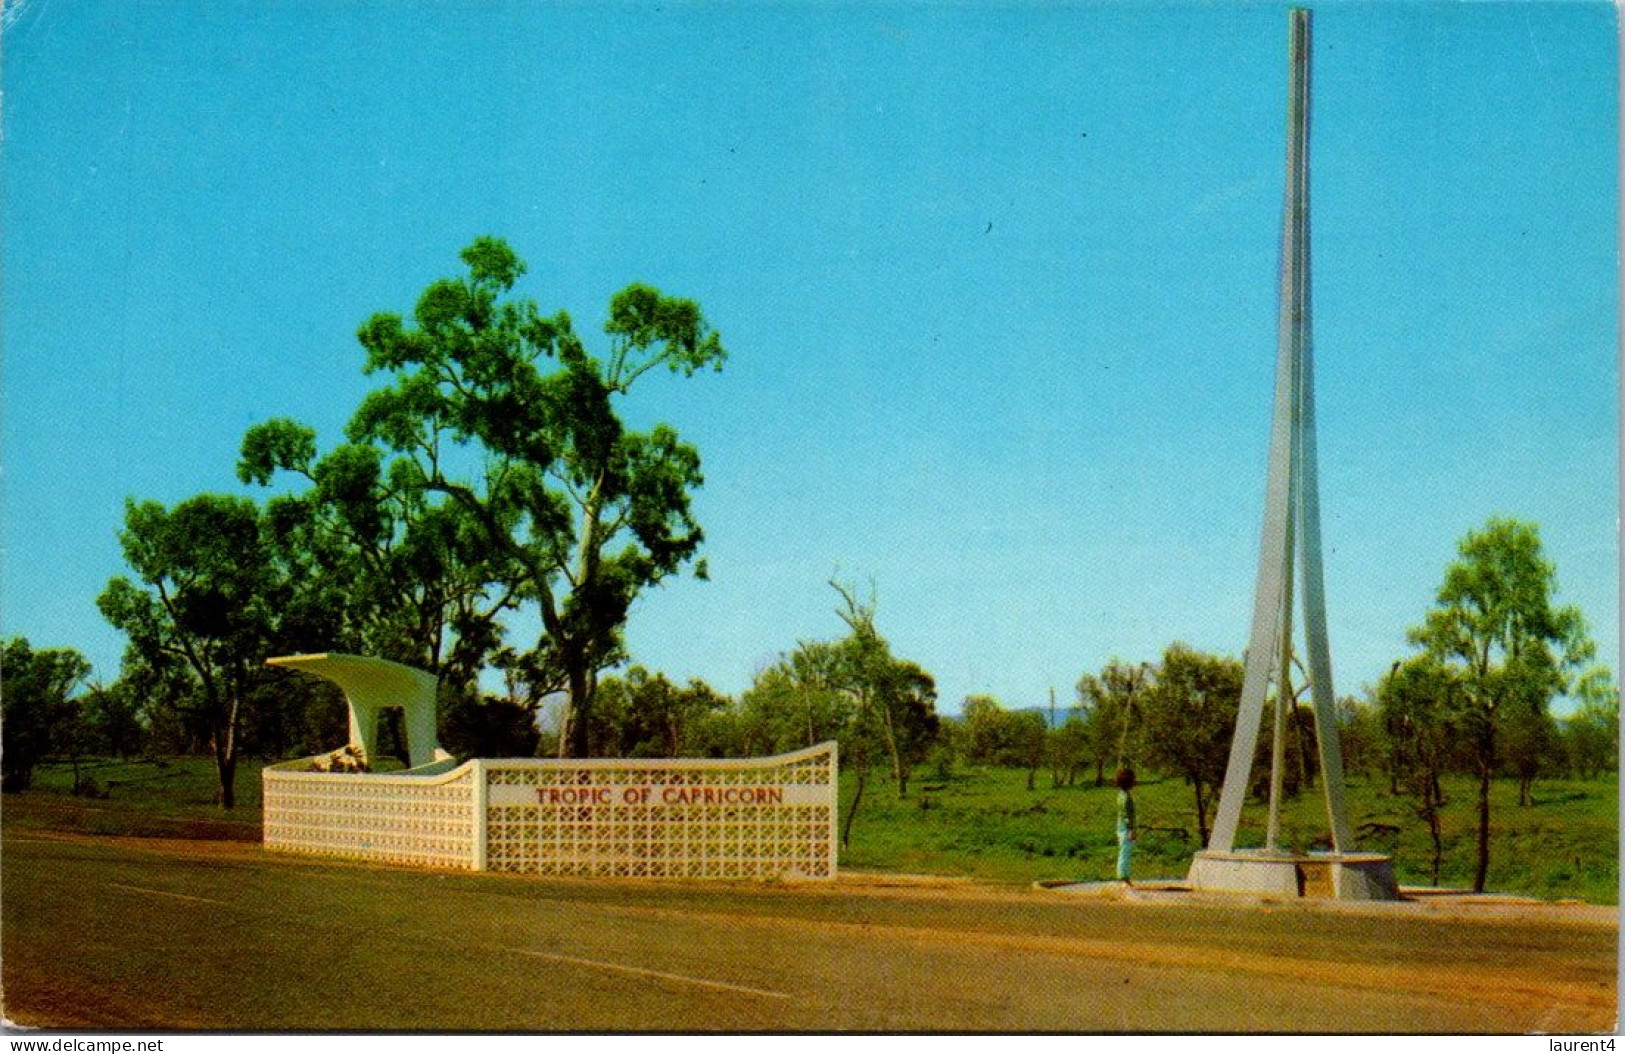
{"points": [[1329, 876]]}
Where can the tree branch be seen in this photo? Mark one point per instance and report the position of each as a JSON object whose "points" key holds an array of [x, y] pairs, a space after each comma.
{"points": [[503, 540]]}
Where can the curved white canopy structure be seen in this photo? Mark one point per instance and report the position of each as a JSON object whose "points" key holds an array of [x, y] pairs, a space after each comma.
{"points": [[371, 685]]}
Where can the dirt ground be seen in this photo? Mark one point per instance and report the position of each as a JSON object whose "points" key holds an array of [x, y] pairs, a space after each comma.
{"points": [[120, 933]]}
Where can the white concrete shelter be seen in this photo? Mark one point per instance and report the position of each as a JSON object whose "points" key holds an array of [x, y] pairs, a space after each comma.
{"points": [[371, 685]]}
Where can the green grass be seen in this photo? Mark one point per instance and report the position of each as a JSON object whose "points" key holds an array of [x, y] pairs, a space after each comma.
{"points": [[177, 787], [152, 798], [984, 823]]}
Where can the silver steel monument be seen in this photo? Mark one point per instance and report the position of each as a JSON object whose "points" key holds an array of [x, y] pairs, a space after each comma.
{"points": [[1291, 541]]}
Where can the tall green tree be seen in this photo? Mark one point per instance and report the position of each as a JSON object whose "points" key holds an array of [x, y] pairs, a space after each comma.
{"points": [[880, 708], [797, 701], [1029, 740], [1110, 705], [1359, 733], [1420, 707], [1069, 749], [164, 699], [1507, 644], [474, 726], [202, 608], [985, 728], [381, 564], [996, 736], [645, 715], [1189, 715], [35, 703], [1530, 745], [1591, 733], [894, 700], [505, 411], [114, 717]]}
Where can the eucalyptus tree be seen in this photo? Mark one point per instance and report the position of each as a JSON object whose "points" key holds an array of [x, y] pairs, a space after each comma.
{"points": [[378, 563], [202, 609], [34, 705], [164, 696], [986, 730], [114, 716], [1189, 716], [795, 702], [504, 411], [643, 714], [1069, 749], [1591, 733], [1420, 706], [1028, 740], [1110, 705], [881, 709], [894, 700], [1530, 744], [1359, 734], [1507, 645]]}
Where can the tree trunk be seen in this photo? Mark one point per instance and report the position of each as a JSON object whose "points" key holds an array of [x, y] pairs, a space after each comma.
{"points": [[898, 770], [579, 675], [852, 813], [225, 754], [1483, 871], [227, 769], [1434, 828], [562, 750], [1524, 786], [579, 701], [1032, 775], [1201, 813]]}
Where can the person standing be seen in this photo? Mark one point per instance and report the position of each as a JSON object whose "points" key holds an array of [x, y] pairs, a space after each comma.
{"points": [[1125, 823]]}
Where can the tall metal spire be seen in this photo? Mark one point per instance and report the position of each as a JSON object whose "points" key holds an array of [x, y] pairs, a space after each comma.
{"points": [[1291, 535]]}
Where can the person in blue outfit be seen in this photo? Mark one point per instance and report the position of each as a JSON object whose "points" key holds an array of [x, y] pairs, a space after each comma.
{"points": [[1125, 823]]}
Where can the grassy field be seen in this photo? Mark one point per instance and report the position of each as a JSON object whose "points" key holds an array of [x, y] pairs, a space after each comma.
{"points": [[152, 797], [155, 798], [984, 823]]}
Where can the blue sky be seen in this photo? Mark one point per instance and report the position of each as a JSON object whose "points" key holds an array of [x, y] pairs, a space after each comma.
{"points": [[997, 282]]}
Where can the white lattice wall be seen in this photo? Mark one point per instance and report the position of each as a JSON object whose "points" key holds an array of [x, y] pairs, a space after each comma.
{"points": [[754, 818], [427, 818], [758, 818]]}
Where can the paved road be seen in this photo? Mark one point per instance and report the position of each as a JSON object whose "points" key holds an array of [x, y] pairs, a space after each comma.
{"points": [[124, 933]]}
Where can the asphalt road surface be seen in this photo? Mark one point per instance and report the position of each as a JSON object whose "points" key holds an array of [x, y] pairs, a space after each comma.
{"points": [[168, 935]]}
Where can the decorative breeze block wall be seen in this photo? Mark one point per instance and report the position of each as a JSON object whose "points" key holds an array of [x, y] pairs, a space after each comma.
{"points": [[759, 818], [755, 818], [426, 818]]}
